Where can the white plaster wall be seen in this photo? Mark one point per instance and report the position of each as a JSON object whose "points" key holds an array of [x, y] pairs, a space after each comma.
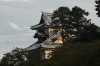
{"points": [[47, 52]]}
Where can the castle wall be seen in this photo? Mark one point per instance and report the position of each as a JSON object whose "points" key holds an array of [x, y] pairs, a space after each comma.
{"points": [[47, 54]]}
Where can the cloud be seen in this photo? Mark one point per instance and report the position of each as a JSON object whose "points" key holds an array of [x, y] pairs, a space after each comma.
{"points": [[28, 28], [26, 0], [19, 0], [14, 26], [7, 0], [20, 37], [1, 30], [5, 8]]}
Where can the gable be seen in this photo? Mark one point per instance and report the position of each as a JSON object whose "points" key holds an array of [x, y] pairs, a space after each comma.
{"points": [[42, 20]]}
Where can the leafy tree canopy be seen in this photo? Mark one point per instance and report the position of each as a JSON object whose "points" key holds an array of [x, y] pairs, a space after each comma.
{"points": [[14, 57], [72, 22]]}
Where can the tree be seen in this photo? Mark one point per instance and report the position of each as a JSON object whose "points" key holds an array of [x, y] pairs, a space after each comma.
{"points": [[35, 58], [14, 57], [97, 7], [59, 18], [78, 21], [77, 54], [90, 33], [71, 22]]}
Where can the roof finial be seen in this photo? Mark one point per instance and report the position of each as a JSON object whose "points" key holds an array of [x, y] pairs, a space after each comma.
{"points": [[42, 11]]}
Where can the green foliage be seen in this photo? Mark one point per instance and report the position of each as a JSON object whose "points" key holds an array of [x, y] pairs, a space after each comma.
{"points": [[59, 18], [34, 58], [97, 7], [71, 22], [69, 54], [89, 33], [14, 57], [77, 54], [78, 21]]}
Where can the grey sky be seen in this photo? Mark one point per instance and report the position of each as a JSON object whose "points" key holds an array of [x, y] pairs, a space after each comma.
{"points": [[17, 15]]}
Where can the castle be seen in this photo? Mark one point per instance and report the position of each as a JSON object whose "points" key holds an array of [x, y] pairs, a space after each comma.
{"points": [[48, 38]]}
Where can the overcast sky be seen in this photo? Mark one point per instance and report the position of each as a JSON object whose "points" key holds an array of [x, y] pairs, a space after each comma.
{"points": [[16, 16]]}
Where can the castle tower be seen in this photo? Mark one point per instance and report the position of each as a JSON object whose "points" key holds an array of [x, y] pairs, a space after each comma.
{"points": [[48, 38]]}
